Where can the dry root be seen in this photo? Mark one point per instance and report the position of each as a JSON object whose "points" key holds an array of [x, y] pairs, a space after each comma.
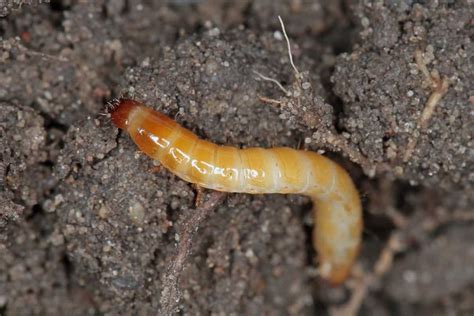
{"points": [[406, 228], [171, 293], [299, 95], [439, 88]]}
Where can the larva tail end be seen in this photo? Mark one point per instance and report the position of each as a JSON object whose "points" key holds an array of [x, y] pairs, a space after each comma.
{"points": [[337, 273], [120, 111], [338, 276]]}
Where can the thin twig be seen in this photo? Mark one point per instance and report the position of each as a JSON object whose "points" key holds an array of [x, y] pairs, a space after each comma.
{"points": [[440, 87], [272, 80], [297, 73], [289, 47], [421, 64], [341, 143], [171, 293], [433, 100], [269, 100]]}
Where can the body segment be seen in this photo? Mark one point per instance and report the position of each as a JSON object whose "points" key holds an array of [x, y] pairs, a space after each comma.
{"points": [[336, 203]]}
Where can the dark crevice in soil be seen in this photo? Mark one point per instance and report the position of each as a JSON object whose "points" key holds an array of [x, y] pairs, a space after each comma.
{"points": [[42, 222], [59, 6], [401, 192], [68, 271], [50, 123], [377, 228], [338, 108]]}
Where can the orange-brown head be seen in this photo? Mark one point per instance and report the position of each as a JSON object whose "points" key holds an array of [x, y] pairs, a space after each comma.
{"points": [[120, 112]]}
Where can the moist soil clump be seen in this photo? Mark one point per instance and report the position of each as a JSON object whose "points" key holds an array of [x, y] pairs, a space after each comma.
{"points": [[89, 225]]}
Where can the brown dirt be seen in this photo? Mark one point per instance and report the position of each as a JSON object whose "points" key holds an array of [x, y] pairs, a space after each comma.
{"points": [[88, 226]]}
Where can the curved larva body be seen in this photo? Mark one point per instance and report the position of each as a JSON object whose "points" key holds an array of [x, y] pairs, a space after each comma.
{"points": [[337, 206]]}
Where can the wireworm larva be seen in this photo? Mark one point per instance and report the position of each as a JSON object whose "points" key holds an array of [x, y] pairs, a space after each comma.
{"points": [[336, 203]]}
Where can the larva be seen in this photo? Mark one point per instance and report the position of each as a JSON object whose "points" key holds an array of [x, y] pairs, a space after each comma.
{"points": [[336, 203]]}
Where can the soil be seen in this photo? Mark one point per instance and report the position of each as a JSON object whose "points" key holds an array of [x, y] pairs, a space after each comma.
{"points": [[91, 226]]}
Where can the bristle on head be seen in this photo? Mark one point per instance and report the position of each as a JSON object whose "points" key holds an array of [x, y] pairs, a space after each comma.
{"points": [[120, 111]]}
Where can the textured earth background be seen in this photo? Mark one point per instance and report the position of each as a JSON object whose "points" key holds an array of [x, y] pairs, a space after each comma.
{"points": [[90, 226]]}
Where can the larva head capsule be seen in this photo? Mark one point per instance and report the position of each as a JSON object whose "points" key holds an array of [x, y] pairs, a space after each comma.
{"points": [[120, 112]]}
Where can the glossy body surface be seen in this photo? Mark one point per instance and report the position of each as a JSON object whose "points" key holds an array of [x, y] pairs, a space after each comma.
{"points": [[337, 206]]}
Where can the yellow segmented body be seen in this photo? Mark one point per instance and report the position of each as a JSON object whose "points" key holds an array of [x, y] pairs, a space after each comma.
{"points": [[337, 207]]}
